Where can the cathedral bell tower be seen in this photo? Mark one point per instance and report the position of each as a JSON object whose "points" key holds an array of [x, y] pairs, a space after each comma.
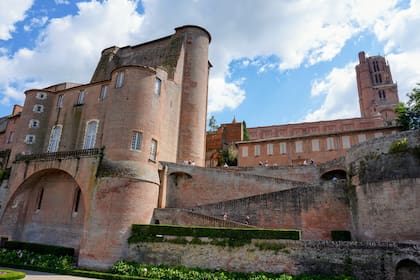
{"points": [[378, 94]]}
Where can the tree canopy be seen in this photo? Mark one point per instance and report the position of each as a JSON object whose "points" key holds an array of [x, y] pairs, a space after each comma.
{"points": [[408, 115]]}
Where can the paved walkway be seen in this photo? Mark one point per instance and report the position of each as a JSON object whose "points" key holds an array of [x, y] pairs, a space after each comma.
{"points": [[36, 275]]}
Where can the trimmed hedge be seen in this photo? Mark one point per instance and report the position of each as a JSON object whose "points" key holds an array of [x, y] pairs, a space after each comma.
{"points": [[11, 275], [39, 248], [75, 272], [154, 233], [340, 235]]}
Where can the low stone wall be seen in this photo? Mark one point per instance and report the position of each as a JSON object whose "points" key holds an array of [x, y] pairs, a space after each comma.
{"points": [[364, 260]]}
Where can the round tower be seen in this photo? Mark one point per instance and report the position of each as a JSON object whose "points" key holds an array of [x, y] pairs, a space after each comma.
{"points": [[192, 130]]}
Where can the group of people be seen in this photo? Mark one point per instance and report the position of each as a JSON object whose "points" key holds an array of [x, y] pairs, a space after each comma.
{"points": [[311, 162], [189, 162]]}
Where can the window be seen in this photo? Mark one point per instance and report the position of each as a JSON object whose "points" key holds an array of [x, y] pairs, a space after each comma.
{"points": [[158, 83], [382, 95], [245, 151], [361, 138], [30, 139], [104, 90], [330, 144], [283, 148], [315, 145], [54, 139], [77, 200], [269, 149], [120, 79], [153, 149], [299, 146], [378, 134], [10, 139], [33, 124], [41, 96], [81, 97], [346, 142], [40, 196], [136, 140], [257, 150], [38, 108], [90, 135], [60, 101]]}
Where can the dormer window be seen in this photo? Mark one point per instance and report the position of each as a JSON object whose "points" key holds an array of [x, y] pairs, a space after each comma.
{"points": [[30, 139], [38, 108], [33, 123], [41, 95]]}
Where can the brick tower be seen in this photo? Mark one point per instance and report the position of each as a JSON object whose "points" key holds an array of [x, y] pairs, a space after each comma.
{"points": [[378, 94]]}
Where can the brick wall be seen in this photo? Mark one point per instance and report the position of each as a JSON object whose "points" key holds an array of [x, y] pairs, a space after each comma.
{"points": [[364, 260]]}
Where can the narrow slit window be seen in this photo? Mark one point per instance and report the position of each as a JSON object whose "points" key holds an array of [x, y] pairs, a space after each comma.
{"points": [[40, 197], [60, 101], [77, 200]]}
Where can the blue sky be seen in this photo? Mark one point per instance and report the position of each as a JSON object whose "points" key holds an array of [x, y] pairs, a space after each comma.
{"points": [[275, 62]]}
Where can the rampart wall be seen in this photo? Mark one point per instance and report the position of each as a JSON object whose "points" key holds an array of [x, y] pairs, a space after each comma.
{"points": [[190, 186], [316, 210], [364, 260]]}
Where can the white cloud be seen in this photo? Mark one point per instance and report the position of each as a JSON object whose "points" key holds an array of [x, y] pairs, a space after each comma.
{"points": [[402, 46], [12, 11], [224, 94], [296, 33], [35, 23], [340, 90], [69, 47]]}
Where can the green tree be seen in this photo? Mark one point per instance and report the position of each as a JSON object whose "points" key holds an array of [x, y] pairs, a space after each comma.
{"points": [[408, 115], [213, 124], [230, 156], [245, 131]]}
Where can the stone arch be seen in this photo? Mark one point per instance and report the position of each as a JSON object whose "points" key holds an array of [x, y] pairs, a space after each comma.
{"points": [[42, 210], [407, 269], [338, 173]]}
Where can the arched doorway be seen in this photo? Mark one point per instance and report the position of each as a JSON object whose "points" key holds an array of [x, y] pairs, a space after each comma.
{"points": [[407, 269], [339, 174], [48, 207]]}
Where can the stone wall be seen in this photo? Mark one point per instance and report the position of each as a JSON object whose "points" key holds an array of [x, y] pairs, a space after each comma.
{"points": [[316, 210], [364, 260], [387, 210], [189, 186]]}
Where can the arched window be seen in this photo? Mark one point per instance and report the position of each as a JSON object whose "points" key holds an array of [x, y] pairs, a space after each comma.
{"points": [[54, 139], [90, 135]]}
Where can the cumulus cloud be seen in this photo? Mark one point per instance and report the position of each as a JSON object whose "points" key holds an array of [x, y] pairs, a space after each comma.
{"points": [[402, 46], [69, 47], [224, 94], [340, 91], [12, 11]]}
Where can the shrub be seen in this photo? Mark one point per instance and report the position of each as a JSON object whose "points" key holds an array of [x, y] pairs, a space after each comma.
{"points": [[39, 248], [398, 147], [153, 233], [23, 257], [11, 275]]}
